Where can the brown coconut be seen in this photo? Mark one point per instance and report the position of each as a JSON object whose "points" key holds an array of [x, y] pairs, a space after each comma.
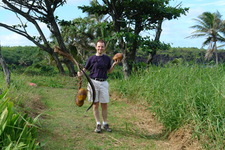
{"points": [[81, 96], [118, 56], [79, 103]]}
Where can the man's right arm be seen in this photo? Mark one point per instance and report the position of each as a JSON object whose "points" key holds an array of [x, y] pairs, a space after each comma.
{"points": [[80, 73]]}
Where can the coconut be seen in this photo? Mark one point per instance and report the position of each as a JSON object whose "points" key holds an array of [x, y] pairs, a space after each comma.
{"points": [[79, 103], [81, 96], [118, 56]]}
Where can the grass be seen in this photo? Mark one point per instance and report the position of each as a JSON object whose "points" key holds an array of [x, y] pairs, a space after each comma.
{"points": [[182, 95], [177, 96], [70, 127], [66, 126]]}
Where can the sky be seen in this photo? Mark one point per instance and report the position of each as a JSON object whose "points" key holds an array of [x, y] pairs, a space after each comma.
{"points": [[175, 32]]}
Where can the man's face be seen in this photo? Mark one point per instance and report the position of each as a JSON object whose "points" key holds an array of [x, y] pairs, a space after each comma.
{"points": [[100, 47]]}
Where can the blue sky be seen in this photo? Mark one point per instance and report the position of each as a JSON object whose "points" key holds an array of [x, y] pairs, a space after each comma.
{"points": [[174, 31]]}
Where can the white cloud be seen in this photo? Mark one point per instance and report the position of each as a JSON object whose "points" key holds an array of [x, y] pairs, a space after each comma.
{"points": [[14, 39]]}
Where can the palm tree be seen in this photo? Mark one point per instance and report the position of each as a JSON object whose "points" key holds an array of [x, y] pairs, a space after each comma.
{"points": [[209, 25]]}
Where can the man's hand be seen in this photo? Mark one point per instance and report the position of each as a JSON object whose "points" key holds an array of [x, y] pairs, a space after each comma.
{"points": [[116, 62], [79, 73]]}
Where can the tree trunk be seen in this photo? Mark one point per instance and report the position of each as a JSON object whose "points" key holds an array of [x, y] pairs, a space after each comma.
{"points": [[58, 63], [129, 59], [126, 70], [150, 57], [62, 46], [157, 37], [5, 69], [130, 52], [126, 65], [216, 54], [70, 67], [217, 61], [158, 30]]}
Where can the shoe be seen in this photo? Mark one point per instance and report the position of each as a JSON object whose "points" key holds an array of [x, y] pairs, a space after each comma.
{"points": [[106, 127], [98, 128]]}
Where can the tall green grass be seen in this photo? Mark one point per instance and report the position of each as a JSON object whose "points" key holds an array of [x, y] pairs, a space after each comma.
{"points": [[181, 95]]}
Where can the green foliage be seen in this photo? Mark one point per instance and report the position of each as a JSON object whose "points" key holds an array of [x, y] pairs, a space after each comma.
{"points": [[29, 60], [40, 69], [150, 46], [150, 10], [16, 131], [21, 56], [181, 95]]}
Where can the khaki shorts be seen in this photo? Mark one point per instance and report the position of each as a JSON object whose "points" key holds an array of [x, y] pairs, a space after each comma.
{"points": [[102, 91]]}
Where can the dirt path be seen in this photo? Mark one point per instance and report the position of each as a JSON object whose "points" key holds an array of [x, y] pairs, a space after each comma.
{"points": [[68, 127]]}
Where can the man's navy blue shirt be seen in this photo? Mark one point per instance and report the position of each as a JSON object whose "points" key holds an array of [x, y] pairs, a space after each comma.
{"points": [[98, 66]]}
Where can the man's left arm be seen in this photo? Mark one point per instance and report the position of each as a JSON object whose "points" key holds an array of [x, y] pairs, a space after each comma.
{"points": [[113, 65]]}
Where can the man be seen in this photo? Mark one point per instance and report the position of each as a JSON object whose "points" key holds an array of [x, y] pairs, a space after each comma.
{"points": [[99, 65]]}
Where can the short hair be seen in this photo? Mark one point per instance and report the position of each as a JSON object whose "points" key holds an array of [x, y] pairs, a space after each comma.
{"points": [[100, 41]]}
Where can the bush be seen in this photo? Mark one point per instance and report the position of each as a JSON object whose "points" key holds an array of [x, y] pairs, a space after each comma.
{"points": [[16, 131]]}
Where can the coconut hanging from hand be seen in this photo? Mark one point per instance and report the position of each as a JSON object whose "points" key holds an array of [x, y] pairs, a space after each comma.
{"points": [[81, 96]]}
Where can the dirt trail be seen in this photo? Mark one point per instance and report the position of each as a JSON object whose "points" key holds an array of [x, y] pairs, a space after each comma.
{"points": [[66, 126], [177, 140]]}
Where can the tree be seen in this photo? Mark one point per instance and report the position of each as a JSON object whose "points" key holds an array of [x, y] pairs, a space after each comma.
{"points": [[5, 68], [80, 34], [32, 12], [130, 18], [156, 44], [209, 25]]}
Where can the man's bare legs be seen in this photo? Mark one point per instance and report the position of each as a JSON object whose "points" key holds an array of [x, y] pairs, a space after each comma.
{"points": [[96, 112], [104, 112], [97, 117], [104, 116]]}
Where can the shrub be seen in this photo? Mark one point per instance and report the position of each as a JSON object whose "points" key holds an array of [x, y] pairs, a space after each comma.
{"points": [[16, 131]]}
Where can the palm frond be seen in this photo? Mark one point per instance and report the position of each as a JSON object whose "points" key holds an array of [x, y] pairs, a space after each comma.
{"points": [[201, 22], [221, 46], [220, 38], [199, 28], [207, 41], [196, 35]]}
